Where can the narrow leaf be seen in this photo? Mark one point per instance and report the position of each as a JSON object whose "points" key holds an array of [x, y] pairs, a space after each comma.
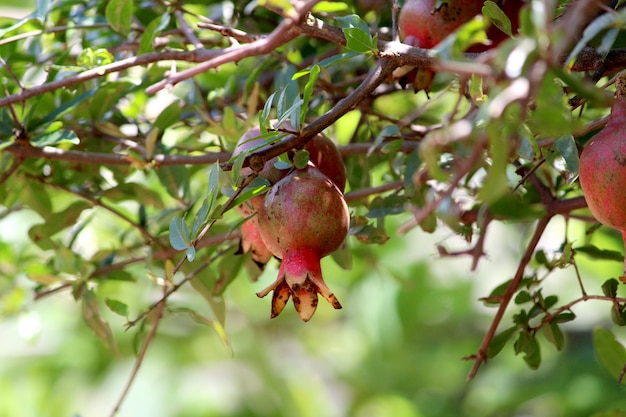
{"points": [[91, 314]]}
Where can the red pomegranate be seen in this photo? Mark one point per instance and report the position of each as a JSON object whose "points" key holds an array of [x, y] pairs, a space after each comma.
{"points": [[303, 218], [251, 242], [602, 170], [424, 25], [322, 153]]}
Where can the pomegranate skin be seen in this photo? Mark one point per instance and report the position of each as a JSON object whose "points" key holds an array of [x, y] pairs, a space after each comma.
{"points": [[602, 170], [424, 26], [303, 218], [322, 153], [251, 242]]}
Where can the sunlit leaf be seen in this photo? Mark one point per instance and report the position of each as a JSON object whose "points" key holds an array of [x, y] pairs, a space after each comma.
{"points": [[119, 14], [55, 138]]}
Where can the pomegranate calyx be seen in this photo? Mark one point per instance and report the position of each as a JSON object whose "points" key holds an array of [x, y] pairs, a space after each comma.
{"points": [[301, 281]]}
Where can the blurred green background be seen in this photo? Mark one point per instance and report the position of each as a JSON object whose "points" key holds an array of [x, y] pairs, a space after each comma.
{"points": [[395, 349]]}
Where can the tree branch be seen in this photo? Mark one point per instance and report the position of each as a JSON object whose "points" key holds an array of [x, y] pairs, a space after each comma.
{"points": [[481, 355]]}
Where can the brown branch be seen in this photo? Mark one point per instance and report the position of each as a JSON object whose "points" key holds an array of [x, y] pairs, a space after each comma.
{"points": [[366, 192], [14, 166], [572, 24], [481, 355], [198, 55], [98, 203], [281, 35], [171, 290], [25, 150], [140, 356]]}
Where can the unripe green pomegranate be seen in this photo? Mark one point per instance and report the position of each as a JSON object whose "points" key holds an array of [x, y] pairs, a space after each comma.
{"points": [[602, 170], [303, 218]]}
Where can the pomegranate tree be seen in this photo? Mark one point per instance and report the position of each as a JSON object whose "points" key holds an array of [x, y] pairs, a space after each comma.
{"points": [[303, 218], [602, 171]]}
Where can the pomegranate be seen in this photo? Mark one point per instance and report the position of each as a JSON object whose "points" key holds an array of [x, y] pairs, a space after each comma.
{"points": [[423, 25], [322, 153], [602, 170], [303, 218], [251, 242]]}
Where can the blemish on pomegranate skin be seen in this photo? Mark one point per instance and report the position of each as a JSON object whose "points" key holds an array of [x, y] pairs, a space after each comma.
{"points": [[620, 158]]}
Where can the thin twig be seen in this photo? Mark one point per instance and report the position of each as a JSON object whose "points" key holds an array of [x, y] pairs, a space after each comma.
{"points": [[167, 292], [481, 355], [141, 355], [97, 202], [281, 35]]}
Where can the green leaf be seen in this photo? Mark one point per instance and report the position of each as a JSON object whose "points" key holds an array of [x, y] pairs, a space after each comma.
{"points": [[129, 191], [301, 159], [308, 91], [55, 138], [352, 21], [154, 27], [554, 335], [117, 307], [40, 234], [66, 106], [358, 40], [387, 206], [214, 187], [91, 314], [215, 325], [610, 352], [591, 31], [499, 341], [495, 14], [175, 179], [564, 317], [522, 297], [609, 287], [191, 253], [179, 234], [204, 284], [384, 133], [201, 216], [511, 206], [119, 14], [600, 254], [566, 147], [496, 184], [330, 7], [527, 344], [169, 116]]}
